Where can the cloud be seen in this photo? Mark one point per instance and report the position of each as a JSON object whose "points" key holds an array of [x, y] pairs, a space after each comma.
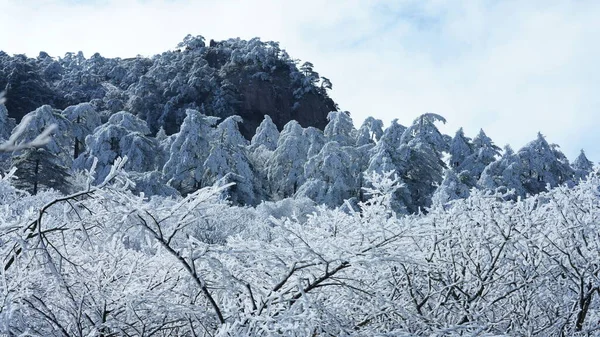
{"points": [[512, 68]]}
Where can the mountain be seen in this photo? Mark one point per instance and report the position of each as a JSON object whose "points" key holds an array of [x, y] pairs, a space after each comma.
{"points": [[246, 78]]}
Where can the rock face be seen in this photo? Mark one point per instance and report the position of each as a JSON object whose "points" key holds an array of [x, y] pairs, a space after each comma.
{"points": [[259, 98], [232, 77]]}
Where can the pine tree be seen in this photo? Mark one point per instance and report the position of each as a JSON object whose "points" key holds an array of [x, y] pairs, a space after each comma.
{"points": [[84, 119], [369, 132], [543, 164], [340, 128], [316, 141], [460, 149], [124, 135], [228, 162], [384, 157], [420, 160], [42, 118], [286, 167], [504, 174], [484, 153], [7, 124], [336, 169], [582, 167], [188, 151], [37, 168], [266, 135], [452, 188]]}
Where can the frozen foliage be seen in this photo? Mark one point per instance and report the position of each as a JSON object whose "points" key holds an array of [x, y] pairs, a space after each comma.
{"points": [[84, 119], [229, 163], [123, 135], [266, 135], [6, 124], [188, 151], [285, 169], [340, 128], [316, 140], [460, 149], [332, 176], [420, 160], [43, 119], [105, 261], [484, 153], [582, 166], [504, 175], [452, 187], [543, 165], [369, 132]]}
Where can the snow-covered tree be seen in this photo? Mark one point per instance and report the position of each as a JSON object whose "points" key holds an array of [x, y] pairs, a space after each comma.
{"points": [[286, 167], [369, 132], [266, 135], [543, 164], [582, 167], [504, 174], [340, 128], [420, 160], [384, 157], [124, 135], [84, 119], [451, 188], [39, 120], [332, 176], [7, 124], [460, 149], [188, 151], [316, 140], [484, 153], [228, 162]]}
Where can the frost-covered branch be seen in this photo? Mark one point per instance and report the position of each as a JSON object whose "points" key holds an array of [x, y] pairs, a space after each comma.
{"points": [[13, 143]]}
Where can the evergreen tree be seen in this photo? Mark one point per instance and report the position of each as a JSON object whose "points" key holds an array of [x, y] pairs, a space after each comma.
{"points": [[460, 149], [543, 164], [228, 162], [582, 167], [316, 141], [504, 174], [420, 160], [124, 135], [37, 168], [286, 167], [336, 170], [266, 135], [369, 132], [164, 146], [42, 118], [484, 153], [340, 128], [188, 151], [384, 157], [452, 188], [6, 124], [84, 119]]}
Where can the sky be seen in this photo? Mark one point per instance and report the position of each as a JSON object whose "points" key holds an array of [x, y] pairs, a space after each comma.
{"points": [[511, 68]]}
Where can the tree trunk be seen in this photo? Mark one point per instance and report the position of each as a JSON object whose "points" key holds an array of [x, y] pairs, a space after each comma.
{"points": [[76, 151], [36, 176]]}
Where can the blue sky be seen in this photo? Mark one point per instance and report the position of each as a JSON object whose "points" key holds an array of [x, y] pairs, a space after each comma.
{"points": [[512, 68]]}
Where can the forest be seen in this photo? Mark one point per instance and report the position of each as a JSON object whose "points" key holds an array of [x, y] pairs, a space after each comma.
{"points": [[217, 190]]}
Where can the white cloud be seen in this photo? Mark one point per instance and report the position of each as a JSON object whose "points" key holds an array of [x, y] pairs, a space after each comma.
{"points": [[512, 68]]}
